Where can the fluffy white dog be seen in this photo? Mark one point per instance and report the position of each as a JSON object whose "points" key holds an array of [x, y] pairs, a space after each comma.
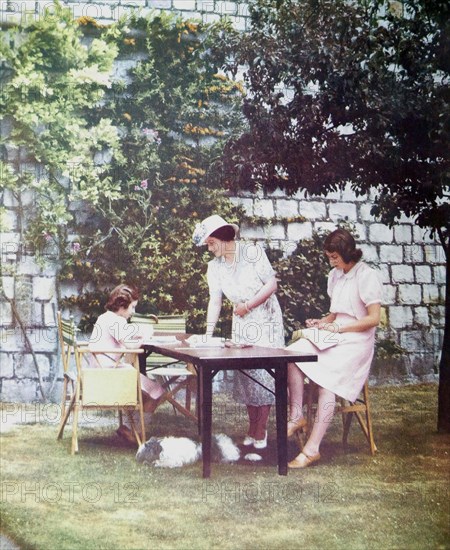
{"points": [[173, 452]]}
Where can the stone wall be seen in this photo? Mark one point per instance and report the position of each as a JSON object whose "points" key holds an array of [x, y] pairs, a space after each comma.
{"points": [[411, 264]]}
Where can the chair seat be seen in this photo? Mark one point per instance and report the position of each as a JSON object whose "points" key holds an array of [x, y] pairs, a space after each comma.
{"points": [[119, 390]]}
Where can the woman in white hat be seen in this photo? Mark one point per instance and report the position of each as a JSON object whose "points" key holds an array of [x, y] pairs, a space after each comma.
{"points": [[242, 273]]}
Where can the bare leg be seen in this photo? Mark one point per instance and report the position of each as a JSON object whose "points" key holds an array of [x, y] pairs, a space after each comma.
{"points": [[253, 420], [296, 385], [325, 412], [263, 412]]}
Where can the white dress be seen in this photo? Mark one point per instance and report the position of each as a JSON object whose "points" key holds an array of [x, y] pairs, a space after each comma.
{"points": [[344, 368], [263, 326]]}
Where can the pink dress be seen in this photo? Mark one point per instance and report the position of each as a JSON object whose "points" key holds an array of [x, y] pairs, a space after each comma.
{"points": [[344, 368], [110, 331]]}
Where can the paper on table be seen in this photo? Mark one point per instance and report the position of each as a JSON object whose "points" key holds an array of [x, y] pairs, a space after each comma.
{"points": [[322, 339], [162, 340], [203, 341]]}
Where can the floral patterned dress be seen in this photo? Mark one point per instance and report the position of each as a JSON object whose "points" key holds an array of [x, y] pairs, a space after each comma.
{"points": [[263, 326]]}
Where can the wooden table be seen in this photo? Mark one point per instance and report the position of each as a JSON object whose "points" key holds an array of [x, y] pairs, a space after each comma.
{"points": [[209, 361]]}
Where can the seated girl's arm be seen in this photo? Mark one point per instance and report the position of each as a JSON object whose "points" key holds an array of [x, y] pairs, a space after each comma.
{"points": [[372, 319]]}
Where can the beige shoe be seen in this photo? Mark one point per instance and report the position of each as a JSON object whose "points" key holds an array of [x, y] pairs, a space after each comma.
{"points": [[296, 425], [303, 460]]}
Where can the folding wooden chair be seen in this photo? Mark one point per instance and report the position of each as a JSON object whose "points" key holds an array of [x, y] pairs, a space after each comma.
{"points": [[360, 408], [111, 388], [176, 376]]}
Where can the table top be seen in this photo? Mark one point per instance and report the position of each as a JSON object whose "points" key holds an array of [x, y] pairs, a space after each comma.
{"points": [[228, 356]]}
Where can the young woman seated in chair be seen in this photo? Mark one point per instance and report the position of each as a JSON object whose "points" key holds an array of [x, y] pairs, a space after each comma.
{"points": [[111, 331], [355, 292]]}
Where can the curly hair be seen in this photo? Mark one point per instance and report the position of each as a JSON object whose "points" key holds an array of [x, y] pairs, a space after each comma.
{"points": [[342, 242], [121, 296]]}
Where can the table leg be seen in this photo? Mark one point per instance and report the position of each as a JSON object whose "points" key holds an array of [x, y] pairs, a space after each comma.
{"points": [[142, 362], [281, 418], [205, 414]]}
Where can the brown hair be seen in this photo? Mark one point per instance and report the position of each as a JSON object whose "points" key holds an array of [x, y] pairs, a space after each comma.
{"points": [[342, 242], [121, 296], [225, 233]]}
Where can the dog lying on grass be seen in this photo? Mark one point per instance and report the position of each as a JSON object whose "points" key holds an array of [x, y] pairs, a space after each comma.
{"points": [[173, 452]]}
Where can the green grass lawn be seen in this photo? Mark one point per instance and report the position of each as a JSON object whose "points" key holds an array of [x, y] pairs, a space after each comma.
{"points": [[102, 498]]}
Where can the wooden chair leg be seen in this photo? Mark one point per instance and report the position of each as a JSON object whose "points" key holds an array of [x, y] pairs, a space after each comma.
{"points": [[67, 410], [76, 409]]}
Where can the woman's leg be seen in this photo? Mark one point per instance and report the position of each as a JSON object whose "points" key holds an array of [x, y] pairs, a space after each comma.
{"points": [[324, 415], [262, 416], [296, 385]]}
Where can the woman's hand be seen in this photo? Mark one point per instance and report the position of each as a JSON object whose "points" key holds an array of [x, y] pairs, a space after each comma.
{"points": [[310, 323], [241, 309]]}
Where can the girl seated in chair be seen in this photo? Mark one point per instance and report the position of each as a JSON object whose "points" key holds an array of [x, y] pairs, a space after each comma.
{"points": [[355, 292], [111, 331]]}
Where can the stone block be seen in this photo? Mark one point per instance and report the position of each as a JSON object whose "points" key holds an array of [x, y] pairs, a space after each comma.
{"points": [[160, 4], [313, 210], [403, 234], [299, 231], [324, 227], [390, 253], [342, 211], [421, 316], [413, 254], [422, 235], [437, 315], [19, 391], [44, 288], [439, 272], [252, 232], [410, 294], [430, 294], [380, 233], [225, 8], [24, 366], [402, 274], [348, 195], [286, 208], [434, 254], [6, 315], [6, 365], [264, 208], [276, 231], [184, 5], [423, 273], [389, 294], [400, 317], [364, 212], [370, 252], [205, 5], [247, 205]]}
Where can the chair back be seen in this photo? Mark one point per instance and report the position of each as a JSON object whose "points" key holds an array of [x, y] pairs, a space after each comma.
{"points": [[67, 340], [165, 324]]}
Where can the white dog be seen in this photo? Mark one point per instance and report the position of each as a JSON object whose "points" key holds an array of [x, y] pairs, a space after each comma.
{"points": [[173, 452]]}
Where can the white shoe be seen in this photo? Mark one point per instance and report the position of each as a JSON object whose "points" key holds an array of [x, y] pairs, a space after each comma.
{"points": [[248, 441], [260, 443]]}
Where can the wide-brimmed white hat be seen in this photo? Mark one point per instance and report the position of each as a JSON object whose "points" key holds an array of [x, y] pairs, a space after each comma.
{"points": [[204, 229]]}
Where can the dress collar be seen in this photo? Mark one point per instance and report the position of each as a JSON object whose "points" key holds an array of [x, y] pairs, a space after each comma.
{"points": [[350, 274]]}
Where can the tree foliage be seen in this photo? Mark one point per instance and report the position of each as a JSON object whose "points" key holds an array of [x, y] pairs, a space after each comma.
{"points": [[51, 84], [174, 110]]}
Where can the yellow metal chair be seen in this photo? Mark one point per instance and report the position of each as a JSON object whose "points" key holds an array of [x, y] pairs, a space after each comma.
{"points": [[360, 408], [112, 388], [176, 376]]}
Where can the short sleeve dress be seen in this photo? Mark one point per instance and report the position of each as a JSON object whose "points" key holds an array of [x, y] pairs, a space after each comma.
{"points": [[263, 326], [344, 368]]}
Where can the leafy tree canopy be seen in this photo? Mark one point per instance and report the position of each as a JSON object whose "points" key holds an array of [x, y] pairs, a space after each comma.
{"points": [[347, 92]]}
